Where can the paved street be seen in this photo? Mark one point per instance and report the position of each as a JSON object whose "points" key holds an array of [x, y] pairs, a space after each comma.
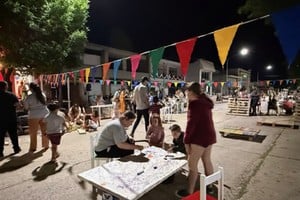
{"points": [[265, 169]]}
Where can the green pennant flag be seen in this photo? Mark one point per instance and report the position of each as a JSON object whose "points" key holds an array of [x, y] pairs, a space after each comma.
{"points": [[76, 74], [156, 56]]}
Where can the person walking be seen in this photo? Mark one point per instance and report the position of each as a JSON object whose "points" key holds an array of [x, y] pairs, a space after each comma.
{"points": [[55, 128], [141, 100], [199, 136], [8, 122], [35, 103]]}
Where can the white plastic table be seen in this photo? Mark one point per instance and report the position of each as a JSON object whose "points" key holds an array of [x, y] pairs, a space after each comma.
{"points": [[131, 180]]}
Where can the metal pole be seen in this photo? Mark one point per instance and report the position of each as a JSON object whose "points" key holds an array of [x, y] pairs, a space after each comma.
{"points": [[68, 92]]}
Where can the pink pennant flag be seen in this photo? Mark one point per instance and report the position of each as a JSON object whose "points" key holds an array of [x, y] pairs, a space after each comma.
{"points": [[202, 84], [122, 83], [280, 82], [184, 51], [294, 81], [155, 83], [107, 82], [135, 60], [216, 84], [222, 84], [235, 84]]}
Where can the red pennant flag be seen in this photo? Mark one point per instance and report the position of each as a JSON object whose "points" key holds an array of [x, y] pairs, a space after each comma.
{"points": [[135, 60], [105, 70], [184, 51], [169, 84], [82, 74], [216, 84]]}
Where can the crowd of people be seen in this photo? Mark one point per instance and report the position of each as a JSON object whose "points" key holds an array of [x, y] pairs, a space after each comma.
{"points": [[112, 139]]}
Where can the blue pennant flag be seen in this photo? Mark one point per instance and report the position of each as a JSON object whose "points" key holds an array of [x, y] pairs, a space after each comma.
{"points": [[287, 25], [116, 68]]}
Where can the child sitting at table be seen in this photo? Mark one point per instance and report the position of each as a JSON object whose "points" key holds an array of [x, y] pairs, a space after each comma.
{"points": [[155, 133], [92, 121], [177, 134]]}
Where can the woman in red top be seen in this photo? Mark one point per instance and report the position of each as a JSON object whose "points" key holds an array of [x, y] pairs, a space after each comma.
{"points": [[199, 135]]}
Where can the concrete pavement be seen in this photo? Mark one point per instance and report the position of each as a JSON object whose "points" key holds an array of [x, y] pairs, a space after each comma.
{"points": [[268, 169]]}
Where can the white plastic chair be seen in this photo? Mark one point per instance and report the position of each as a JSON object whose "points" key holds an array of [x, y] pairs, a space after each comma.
{"points": [[207, 180], [94, 157]]}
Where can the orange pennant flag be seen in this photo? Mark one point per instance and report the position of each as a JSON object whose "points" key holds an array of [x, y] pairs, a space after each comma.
{"points": [[223, 38], [105, 70]]}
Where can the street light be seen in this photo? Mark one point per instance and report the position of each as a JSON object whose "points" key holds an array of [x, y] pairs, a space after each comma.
{"points": [[243, 52]]}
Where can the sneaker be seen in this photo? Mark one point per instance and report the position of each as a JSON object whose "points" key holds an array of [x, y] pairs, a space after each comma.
{"points": [[181, 193]]}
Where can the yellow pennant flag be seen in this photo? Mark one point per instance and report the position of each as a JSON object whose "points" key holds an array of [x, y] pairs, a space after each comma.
{"points": [[222, 84], [129, 83], [223, 38], [176, 83], [87, 74], [268, 83]]}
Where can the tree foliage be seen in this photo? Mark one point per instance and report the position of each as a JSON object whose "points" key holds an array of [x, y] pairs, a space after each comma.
{"points": [[43, 36], [258, 8]]}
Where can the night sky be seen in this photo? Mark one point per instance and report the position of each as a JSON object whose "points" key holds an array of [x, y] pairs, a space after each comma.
{"points": [[138, 26]]}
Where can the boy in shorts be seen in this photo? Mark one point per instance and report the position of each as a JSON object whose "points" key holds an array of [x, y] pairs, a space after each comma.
{"points": [[56, 124]]}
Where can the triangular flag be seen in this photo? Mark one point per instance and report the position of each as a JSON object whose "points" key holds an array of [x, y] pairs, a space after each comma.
{"points": [[184, 51], [294, 81], [156, 55], [101, 82], [135, 60], [76, 73], [107, 82], [287, 81], [82, 74], [87, 74], [116, 68], [222, 84], [169, 84], [223, 38], [115, 82], [93, 73], [268, 83], [122, 83], [287, 25], [155, 83], [280, 82], [176, 83], [128, 83], [182, 84], [105, 71], [216, 84]]}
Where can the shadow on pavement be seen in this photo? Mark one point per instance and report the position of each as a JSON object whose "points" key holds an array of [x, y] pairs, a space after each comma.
{"points": [[17, 162], [47, 169]]}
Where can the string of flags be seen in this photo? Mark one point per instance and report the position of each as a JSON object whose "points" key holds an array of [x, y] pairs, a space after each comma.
{"points": [[223, 39]]}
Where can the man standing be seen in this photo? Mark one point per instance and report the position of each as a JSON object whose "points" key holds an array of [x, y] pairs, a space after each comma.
{"points": [[8, 120], [141, 100]]}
